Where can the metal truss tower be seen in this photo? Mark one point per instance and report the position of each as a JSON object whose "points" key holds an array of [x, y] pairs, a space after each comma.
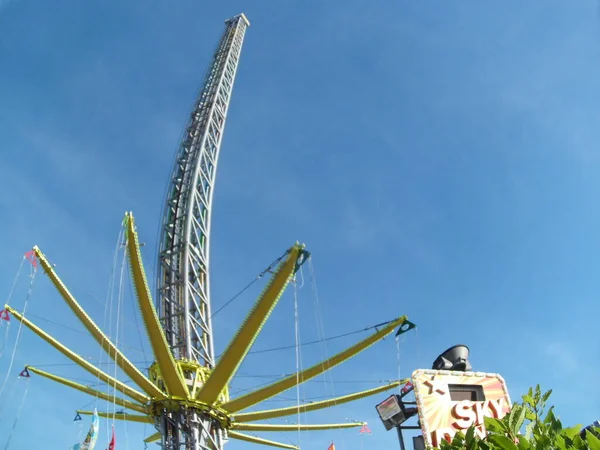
{"points": [[183, 283]]}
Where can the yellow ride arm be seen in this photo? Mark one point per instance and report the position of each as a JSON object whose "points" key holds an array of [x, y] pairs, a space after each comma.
{"points": [[270, 427], [246, 335], [169, 371], [120, 359], [122, 387], [120, 416], [257, 440], [153, 438], [80, 387], [280, 412], [284, 384]]}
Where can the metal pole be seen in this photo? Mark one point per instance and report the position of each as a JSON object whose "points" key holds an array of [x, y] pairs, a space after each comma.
{"points": [[400, 438]]}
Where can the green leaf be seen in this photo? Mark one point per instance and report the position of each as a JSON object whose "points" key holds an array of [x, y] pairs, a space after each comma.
{"points": [[470, 441], [516, 418], [592, 441], [528, 399], [560, 443], [546, 396], [495, 425], [572, 431], [524, 444], [502, 442]]}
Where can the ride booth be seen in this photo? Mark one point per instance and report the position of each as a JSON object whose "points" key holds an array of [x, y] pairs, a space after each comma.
{"points": [[447, 399]]}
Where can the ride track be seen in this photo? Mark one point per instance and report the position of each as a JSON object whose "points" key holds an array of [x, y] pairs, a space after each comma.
{"points": [[185, 394]]}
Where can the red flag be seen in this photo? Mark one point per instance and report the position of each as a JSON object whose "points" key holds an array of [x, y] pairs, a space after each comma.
{"points": [[30, 255], [365, 429], [407, 387], [112, 444], [4, 315], [331, 447]]}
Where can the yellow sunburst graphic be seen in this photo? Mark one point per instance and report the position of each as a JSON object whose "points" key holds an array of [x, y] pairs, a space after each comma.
{"points": [[440, 403]]}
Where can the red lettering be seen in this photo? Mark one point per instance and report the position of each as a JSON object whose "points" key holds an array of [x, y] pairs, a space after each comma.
{"points": [[480, 410], [497, 408], [464, 414], [441, 433]]}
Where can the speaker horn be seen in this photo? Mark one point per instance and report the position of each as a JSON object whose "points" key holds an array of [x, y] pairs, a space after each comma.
{"points": [[455, 358]]}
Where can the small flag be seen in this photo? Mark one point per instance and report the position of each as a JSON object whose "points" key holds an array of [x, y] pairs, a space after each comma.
{"points": [[77, 418], [331, 447], [4, 315], [24, 373], [365, 429], [407, 387], [30, 255], [112, 444]]}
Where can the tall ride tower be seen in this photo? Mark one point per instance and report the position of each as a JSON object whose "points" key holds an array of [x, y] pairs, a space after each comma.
{"points": [[183, 299]]}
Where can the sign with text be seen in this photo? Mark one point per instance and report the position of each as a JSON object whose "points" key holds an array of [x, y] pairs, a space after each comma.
{"points": [[449, 402]]}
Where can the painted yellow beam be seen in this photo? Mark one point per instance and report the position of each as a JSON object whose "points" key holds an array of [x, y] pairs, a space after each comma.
{"points": [[80, 387], [171, 375], [239, 346], [280, 412], [257, 440], [120, 359], [121, 387], [301, 427], [153, 438], [284, 384], [120, 416]]}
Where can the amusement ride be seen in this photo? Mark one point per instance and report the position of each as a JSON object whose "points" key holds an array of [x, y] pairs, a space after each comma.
{"points": [[185, 393]]}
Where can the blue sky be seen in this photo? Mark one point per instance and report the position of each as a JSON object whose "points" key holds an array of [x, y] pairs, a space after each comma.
{"points": [[439, 159]]}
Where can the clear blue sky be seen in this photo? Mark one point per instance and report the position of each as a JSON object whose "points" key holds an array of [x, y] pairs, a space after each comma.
{"points": [[439, 159]]}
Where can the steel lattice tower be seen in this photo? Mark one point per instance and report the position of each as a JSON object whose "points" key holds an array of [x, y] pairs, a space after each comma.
{"points": [[183, 282]]}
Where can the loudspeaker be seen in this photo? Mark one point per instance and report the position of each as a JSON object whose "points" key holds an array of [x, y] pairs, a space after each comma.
{"points": [[455, 358]]}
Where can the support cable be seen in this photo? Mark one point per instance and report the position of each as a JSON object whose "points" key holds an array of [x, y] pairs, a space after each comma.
{"points": [[5, 338], [323, 340], [20, 328], [298, 368], [320, 341], [119, 307], [108, 304], [259, 276], [10, 294], [14, 426]]}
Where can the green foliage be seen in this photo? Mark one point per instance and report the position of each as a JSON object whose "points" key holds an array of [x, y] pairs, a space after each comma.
{"points": [[530, 425]]}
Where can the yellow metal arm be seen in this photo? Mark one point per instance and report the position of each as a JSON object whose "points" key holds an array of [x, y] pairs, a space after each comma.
{"points": [[153, 438], [269, 427], [120, 359], [169, 371], [80, 387], [120, 416], [284, 384], [280, 412], [257, 440], [121, 387], [246, 335]]}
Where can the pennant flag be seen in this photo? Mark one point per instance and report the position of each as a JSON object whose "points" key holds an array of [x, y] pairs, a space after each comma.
{"points": [[365, 429], [24, 373], [30, 255], [77, 418], [331, 447], [407, 387], [406, 326], [112, 444], [4, 315], [90, 440]]}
